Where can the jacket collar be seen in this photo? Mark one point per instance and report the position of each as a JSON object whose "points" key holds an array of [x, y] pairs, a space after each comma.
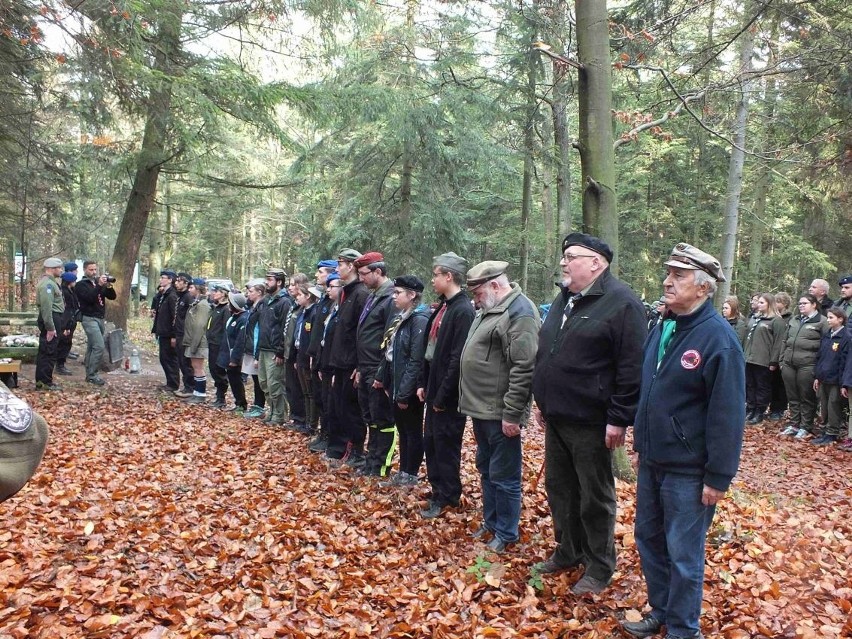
{"points": [[504, 303], [596, 288], [701, 314]]}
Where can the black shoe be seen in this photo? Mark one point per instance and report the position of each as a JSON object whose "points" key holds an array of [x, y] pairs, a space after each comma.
{"points": [[825, 440], [73, 355], [318, 445], [750, 414], [776, 416], [552, 565], [97, 381], [356, 460], [755, 419], [589, 585], [433, 511], [647, 627], [47, 387], [61, 370], [219, 403]]}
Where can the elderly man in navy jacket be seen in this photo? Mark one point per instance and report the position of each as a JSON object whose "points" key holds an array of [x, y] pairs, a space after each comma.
{"points": [[688, 434]]}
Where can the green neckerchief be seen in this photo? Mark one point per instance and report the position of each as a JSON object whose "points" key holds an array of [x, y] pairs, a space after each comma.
{"points": [[665, 338]]}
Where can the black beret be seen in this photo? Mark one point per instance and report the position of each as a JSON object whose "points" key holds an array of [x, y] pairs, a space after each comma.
{"points": [[590, 242], [411, 282], [845, 280]]}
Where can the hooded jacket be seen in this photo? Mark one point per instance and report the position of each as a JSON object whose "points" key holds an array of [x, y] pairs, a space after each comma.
{"points": [[498, 359], [195, 327], [234, 345], [691, 411], [272, 312]]}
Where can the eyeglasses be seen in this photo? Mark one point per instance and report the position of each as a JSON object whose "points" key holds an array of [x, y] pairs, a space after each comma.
{"points": [[362, 273], [570, 258]]}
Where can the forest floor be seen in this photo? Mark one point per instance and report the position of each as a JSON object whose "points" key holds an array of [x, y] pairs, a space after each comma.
{"points": [[152, 518]]}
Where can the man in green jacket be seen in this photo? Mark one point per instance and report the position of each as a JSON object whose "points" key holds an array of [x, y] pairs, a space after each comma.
{"points": [[51, 305], [495, 390]]}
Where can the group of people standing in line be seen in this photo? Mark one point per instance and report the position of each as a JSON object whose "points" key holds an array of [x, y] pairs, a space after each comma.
{"points": [[797, 361], [356, 359]]}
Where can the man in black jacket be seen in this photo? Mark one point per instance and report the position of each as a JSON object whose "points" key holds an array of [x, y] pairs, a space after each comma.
{"points": [[164, 328], [376, 408], [347, 431], [324, 306], [586, 385], [92, 293], [272, 314], [445, 336], [184, 301], [219, 314]]}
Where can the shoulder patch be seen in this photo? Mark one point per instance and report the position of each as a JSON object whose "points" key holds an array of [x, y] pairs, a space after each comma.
{"points": [[15, 414], [691, 359]]}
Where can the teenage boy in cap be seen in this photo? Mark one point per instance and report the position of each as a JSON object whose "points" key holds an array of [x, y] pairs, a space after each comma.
{"points": [[586, 385], [50, 308], [688, 434], [164, 328], [402, 360], [69, 320], [844, 302], [72, 267], [495, 391], [347, 430], [272, 314], [439, 382], [325, 268], [376, 407], [184, 301], [219, 315]]}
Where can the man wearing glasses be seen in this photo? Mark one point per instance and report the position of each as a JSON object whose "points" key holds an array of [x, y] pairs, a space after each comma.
{"points": [[445, 336], [586, 385]]}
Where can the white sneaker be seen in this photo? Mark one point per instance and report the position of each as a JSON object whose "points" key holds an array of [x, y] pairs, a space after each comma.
{"points": [[789, 431], [801, 434]]}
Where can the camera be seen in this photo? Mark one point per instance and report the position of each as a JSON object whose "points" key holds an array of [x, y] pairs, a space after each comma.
{"points": [[109, 278]]}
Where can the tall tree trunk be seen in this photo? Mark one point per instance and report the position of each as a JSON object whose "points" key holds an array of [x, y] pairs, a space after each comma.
{"points": [[148, 165], [155, 253], [547, 214], [736, 162], [529, 170], [597, 156], [561, 136]]}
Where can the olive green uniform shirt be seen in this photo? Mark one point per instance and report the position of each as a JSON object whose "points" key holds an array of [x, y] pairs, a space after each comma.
{"points": [[49, 300]]}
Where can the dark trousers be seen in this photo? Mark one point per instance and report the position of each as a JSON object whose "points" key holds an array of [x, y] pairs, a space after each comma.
{"points": [[347, 430], [311, 407], [499, 462], [64, 346], [184, 365], [46, 357], [581, 495], [219, 374], [169, 362], [779, 394], [832, 404], [409, 425], [259, 395], [442, 442], [329, 413], [382, 442], [293, 392], [758, 387], [238, 386], [670, 529]]}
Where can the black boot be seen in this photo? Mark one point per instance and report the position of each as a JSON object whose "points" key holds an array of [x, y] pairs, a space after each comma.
{"points": [[756, 416]]}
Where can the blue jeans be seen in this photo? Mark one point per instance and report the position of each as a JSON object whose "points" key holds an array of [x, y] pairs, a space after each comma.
{"points": [[498, 459], [671, 527]]}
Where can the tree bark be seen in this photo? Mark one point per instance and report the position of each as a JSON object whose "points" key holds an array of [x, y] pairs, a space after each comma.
{"points": [[151, 158], [597, 156], [735, 164], [529, 169]]}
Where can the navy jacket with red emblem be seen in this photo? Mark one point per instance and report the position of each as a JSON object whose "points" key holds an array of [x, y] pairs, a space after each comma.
{"points": [[692, 406]]}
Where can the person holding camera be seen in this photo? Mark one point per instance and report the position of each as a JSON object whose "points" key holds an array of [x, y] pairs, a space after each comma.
{"points": [[92, 292]]}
